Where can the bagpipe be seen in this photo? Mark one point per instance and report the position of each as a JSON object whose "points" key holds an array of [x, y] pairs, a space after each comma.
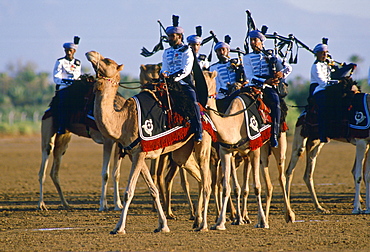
{"points": [[283, 46], [163, 38]]}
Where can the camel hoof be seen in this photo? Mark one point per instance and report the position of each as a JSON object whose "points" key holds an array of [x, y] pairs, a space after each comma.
{"points": [[238, 222], [162, 230], [261, 226], [42, 207], [103, 209], [117, 232], [218, 227], [290, 218], [201, 229], [192, 217], [357, 211], [171, 217], [323, 211], [246, 220], [367, 211]]}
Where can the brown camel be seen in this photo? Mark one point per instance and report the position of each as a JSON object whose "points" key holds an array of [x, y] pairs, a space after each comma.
{"points": [[164, 163], [360, 170], [121, 125], [51, 142]]}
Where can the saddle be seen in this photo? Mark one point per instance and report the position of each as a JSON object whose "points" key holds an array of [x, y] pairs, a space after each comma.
{"points": [[341, 104], [80, 98], [163, 120]]}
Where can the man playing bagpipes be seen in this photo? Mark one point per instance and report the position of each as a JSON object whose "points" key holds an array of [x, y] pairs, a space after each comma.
{"points": [[177, 65], [265, 70], [230, 74]]}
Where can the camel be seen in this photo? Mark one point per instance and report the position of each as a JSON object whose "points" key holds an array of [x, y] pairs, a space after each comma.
{"points": [[313, 147], [121, 125], [230, 131], [51, 142], [158, 167]]}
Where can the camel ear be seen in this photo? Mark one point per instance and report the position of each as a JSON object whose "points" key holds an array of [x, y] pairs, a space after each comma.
{"points": [[120, 67], [213, 74], [142, 67]]}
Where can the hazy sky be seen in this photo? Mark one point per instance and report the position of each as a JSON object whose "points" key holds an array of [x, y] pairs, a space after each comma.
{"points": [[34, 30]]}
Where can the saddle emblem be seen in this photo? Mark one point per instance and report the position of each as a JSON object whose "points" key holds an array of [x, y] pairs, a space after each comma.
{"points": [[253, 123], [359, 117], [148, 126]]}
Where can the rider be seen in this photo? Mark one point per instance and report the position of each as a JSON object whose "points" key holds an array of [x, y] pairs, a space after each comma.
{"points": [[320, 77], [177, 64], [258, 72], [194, 41], [66, 70], [227, 76]]}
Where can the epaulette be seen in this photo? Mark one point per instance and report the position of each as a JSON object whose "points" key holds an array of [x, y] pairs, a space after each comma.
{"points": [[202, 57], [60, 58], [214, 64], [77, 62], [184, 48]]}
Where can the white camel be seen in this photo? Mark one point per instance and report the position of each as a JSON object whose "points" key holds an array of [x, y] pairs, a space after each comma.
{"points": [[121, 125]]}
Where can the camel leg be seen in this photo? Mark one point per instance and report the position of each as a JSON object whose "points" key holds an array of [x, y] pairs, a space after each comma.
{"points": [[186, 189], [298, 148], [265, 150], [226, 159], [116, 175], [255, 162], [367, 182], [47, 146], [280, 157], [107, 151], [164, 161], [192, 168], [138, 165], [174, 168], [154, 164], [361, 149], [236, 216], [218, 188], [202, 155], [61, 145], [246, 174], [313, 150]]}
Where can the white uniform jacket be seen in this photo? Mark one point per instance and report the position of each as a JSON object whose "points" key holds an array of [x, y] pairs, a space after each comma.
{"points": [[320, 74], [177, 59], [256, 65], [225, 76], [65, 70]]}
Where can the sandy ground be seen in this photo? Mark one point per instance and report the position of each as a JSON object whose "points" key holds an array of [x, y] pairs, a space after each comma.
{"points": [[24, 228]]}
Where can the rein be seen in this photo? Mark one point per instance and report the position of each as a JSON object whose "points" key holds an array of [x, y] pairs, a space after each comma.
{"points": [[129, 82]]}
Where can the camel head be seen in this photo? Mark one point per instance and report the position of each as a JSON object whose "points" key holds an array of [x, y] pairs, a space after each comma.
{"points": [[211, 82], [149, 72], [105, 68]]}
